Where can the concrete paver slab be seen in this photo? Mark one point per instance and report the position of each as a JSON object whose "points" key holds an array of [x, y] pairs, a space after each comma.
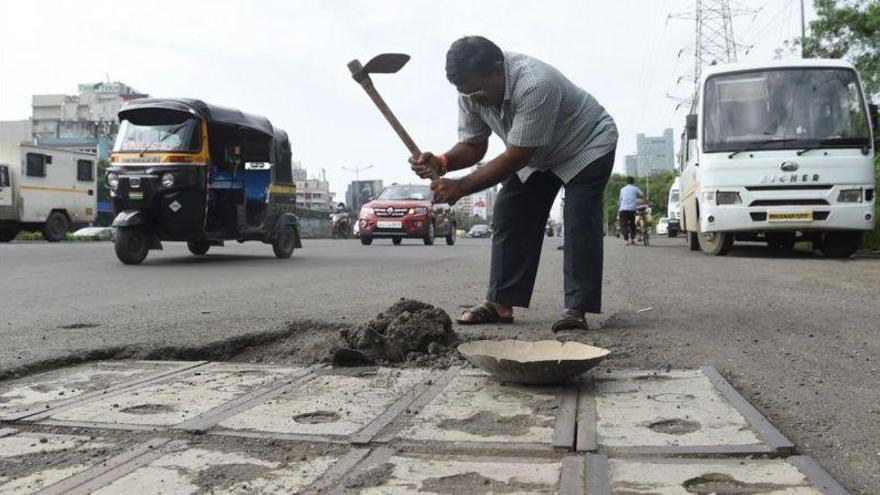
{"points": [[474, 410], [688, 476], [37, 393], [223, 469], [679, 411], [30, 462], [387, 472], [173, 401], [336, 404]]}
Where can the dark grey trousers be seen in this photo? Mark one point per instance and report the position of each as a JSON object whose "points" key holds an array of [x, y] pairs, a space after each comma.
{"points": [[521, 212]]}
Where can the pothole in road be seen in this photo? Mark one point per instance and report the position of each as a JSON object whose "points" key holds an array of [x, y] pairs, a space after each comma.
{"points": [[723, 484], [78, 326], [147, 409], [488, 424], [675, 426], [316, 417], [476, 483]]}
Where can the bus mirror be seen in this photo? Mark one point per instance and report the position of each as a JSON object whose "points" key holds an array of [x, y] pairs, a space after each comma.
{"points": [[873, 113], [691, 126]]}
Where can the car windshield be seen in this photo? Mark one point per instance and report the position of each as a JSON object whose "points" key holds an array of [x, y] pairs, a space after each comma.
{"points": [[786, 108], [408, 192], [178, 136]]}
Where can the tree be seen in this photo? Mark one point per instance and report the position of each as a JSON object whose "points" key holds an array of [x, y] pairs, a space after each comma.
{"points": [[848, 29]]}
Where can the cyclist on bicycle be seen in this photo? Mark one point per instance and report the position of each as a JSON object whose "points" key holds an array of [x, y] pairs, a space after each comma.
{"points": [[629, 198]]}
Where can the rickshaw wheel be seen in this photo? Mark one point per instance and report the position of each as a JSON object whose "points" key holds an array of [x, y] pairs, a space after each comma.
{"points": [[131, 245], [198, 248], [283, 245]]}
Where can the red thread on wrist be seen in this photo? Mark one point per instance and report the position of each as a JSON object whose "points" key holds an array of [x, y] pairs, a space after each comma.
{"points": [[445, 162]]}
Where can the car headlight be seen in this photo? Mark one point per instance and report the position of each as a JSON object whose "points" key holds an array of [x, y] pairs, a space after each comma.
{"points": [[850, 196], [167, 179], [418, 211], [367, 210], [112, 180], [727, 198]]}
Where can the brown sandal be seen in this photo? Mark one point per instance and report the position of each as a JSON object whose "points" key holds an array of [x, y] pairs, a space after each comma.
{"points": [[570, 320], [484, 314]]}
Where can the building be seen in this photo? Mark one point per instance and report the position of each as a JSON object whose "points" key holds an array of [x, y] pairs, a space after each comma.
{"points": [[464, 207], [299, 173], [656, 153], [632, 166], [314, 194], [16, 131], [86, 121], [365, 189]]}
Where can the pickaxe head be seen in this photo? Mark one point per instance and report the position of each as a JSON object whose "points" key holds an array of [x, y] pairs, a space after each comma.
{"points": [[386, 63]]}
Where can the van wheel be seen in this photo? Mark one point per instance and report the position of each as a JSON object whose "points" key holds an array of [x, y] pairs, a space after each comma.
{"points": [[366, 240], [396, 240], [429, 237], [132, 245], [198, 248], [839, 244], [693, 241], [55, 227], [284, 241], [8, 234], [715, 243]]}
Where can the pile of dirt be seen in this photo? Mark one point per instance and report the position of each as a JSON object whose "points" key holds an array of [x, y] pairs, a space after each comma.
{"points": [[409, 331]]}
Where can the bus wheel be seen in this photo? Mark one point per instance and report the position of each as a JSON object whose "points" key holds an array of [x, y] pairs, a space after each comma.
{"points": [[132, 245], [8, 234], [284, 242], [198, 248], [839, 244], [55, 227], [693, 241], [715, 243]]}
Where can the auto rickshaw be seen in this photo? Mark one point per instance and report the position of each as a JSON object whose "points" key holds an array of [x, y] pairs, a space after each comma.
{"points": [[185, 170]]}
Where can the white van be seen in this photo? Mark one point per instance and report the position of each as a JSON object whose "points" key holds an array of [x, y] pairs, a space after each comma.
{"points": [[779, 152], [45, 189]]}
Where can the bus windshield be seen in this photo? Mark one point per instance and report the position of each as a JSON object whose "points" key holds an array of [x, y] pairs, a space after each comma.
{"points": [[784, 109], [178, 136]]}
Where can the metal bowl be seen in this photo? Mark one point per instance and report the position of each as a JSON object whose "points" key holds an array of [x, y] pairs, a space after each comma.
{"points": [[542, 362]]}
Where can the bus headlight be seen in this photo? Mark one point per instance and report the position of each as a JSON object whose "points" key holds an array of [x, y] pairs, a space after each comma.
{"points": [[167, 179], [850, 196], [727, 198], [112, 180]]}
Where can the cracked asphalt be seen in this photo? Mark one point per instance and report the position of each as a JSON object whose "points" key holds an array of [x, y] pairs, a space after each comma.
{"points": [[796, 334]]}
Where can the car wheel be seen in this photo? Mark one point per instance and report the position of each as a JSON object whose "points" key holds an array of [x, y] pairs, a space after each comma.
{"points": [[198, 248], [55, 227], [284, 242], [429, 237], [396, 240], [366, 240], [131, 245], [450, 237]]}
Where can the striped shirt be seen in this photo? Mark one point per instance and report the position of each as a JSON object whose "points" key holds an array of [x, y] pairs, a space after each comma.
{"points": [[541, 109]]}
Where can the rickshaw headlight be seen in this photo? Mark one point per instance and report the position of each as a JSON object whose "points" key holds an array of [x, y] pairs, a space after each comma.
{"points": [[167, 179], [112, 180]]}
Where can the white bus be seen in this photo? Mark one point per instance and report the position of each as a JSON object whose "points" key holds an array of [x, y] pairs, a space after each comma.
{"points": [[673, 214], [45, 189], [779, 152]]}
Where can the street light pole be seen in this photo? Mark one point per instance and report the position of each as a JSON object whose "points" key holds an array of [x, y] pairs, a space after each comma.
{"points": [[803, 32], [355, 194]]}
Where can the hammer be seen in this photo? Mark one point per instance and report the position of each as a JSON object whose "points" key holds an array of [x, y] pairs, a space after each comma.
{"points": [[386, 63]]}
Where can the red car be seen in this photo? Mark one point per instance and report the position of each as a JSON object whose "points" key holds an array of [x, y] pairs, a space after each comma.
{"points": [[406, 211]]}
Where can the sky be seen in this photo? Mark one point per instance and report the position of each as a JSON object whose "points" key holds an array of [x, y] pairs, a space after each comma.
{"points": [[287, 60]]}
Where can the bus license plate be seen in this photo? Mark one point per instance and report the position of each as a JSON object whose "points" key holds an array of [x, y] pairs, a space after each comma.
{"points": [[790, 217], [389, 225]]}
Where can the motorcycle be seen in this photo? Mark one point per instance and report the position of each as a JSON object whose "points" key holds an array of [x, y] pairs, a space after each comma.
{"points": [[341, 225]]}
